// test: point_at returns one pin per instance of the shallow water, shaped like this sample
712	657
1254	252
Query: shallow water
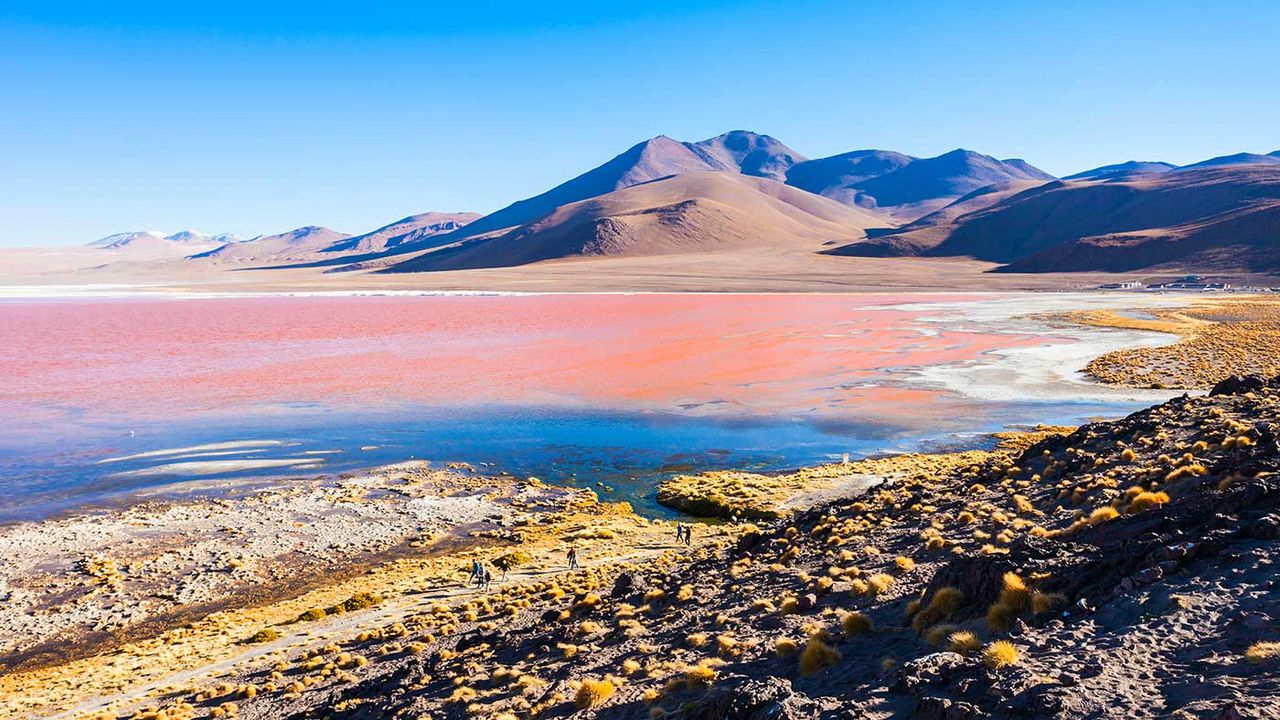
107	398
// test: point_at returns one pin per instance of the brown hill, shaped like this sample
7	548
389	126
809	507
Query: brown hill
736	151
689	213
905	186
301	243
1211	219
403	232
1216	218
931	230
748	153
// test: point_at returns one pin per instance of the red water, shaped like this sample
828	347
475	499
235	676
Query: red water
753	354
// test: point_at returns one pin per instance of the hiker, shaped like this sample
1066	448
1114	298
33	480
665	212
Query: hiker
477	573
573	558
486	577
679	533
688	535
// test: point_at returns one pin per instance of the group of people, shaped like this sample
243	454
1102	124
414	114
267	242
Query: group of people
480	576
684	534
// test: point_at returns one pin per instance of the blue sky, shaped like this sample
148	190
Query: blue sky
131	115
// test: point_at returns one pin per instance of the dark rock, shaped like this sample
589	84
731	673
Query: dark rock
1254	621
1229	713
1092	668
808	601
931	670
1266	527
938	708
1042	700
624	585
741	698
1241	384
1146	576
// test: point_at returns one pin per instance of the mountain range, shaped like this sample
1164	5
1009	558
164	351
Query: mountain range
743	192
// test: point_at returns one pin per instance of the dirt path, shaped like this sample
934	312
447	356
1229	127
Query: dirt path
335	628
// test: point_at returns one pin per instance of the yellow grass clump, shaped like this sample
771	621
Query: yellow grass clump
701	674
1015	593
594	693
945	601
1000	653
1103	514
1042	603
1262	651
817	655
963	642
1146	500
855	623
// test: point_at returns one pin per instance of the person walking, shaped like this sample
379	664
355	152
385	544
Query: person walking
486	578
679	533
476	573
688	535
573	558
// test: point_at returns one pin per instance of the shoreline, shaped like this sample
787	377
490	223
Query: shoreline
403	533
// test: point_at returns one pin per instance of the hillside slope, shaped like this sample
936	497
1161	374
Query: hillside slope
412	229
692	212
1210	218
928	232
1123	570
301	243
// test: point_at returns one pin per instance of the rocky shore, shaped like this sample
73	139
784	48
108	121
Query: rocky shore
1122	569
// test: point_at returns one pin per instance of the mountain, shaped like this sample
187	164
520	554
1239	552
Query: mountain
748	153
151	242
660	157
649	160
925	185
403	231
923	234
1237	159
1210	218
838	176
904	186
687	213
301	243
1132	167
196	238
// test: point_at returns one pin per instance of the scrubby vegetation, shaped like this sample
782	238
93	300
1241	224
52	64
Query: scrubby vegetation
1220	338
1067	574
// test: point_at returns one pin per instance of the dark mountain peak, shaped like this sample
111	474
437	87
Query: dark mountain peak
1243	158
837	176
749	153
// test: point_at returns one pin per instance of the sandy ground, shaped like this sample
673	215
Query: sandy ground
84	272
105	607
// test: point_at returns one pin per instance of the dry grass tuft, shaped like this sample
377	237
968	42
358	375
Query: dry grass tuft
944	602
1000	653
963	642
594	693
855	623
817	655
1262	651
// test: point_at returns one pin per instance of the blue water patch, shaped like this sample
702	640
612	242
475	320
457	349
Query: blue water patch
621	455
